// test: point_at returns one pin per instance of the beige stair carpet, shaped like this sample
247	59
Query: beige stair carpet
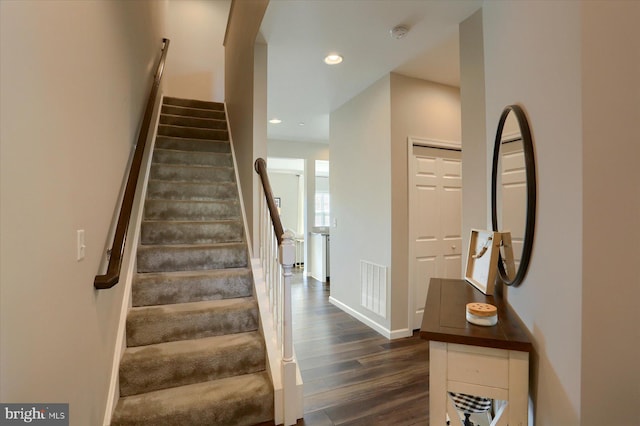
194	354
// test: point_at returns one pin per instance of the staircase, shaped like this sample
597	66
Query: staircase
194	354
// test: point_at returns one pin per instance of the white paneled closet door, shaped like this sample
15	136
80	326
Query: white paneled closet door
435	217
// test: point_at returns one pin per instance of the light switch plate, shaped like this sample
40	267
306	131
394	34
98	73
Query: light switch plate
80	244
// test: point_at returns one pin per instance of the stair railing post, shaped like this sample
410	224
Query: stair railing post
287	257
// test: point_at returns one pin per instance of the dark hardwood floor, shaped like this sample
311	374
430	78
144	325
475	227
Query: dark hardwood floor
352	375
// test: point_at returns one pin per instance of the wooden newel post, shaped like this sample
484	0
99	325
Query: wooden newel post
287	257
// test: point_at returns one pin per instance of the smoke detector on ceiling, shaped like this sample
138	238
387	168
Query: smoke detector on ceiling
399	31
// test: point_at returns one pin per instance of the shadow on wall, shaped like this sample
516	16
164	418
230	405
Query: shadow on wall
539	388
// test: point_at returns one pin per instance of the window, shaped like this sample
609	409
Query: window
322	209
322	205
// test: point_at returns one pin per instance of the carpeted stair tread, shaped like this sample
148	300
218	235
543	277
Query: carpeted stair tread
185	321
193	112
194	353
193	132
193	103
184	287
189	173
194	191
174	232
203	123
190	144
193	158
160	209
235	401
164	365
189	257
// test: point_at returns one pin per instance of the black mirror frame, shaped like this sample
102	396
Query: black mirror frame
530	170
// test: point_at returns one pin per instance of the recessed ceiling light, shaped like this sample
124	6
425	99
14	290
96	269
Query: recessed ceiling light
333	59
301	123
275	121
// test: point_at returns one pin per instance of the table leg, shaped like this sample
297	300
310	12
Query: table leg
518	388
437	383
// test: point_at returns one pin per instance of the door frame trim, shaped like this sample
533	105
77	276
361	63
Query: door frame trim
429	143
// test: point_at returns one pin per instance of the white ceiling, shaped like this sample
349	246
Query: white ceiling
300	33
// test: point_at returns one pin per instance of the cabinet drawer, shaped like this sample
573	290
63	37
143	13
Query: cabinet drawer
477	365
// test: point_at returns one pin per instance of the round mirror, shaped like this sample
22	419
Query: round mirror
513	193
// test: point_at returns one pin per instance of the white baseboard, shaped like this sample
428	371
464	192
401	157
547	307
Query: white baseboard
389	334
401	333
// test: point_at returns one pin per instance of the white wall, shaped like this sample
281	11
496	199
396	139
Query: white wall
295	149
476	168
571	65
541	71
75	77
360	193
243	59
610	385
195	69
259	142
285	186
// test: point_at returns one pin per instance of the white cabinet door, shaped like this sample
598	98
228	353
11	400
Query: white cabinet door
435	217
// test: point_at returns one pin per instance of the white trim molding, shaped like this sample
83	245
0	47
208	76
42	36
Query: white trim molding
389	334
434	143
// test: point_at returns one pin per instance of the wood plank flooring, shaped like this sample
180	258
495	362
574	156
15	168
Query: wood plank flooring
352	375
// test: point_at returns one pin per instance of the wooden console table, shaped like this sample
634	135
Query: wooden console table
491	362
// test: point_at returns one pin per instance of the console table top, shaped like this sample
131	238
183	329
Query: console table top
445	320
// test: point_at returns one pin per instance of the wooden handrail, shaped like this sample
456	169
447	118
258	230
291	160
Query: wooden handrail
112	275
261	168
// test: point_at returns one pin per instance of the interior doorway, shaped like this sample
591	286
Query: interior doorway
319	244
287	178
435	220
